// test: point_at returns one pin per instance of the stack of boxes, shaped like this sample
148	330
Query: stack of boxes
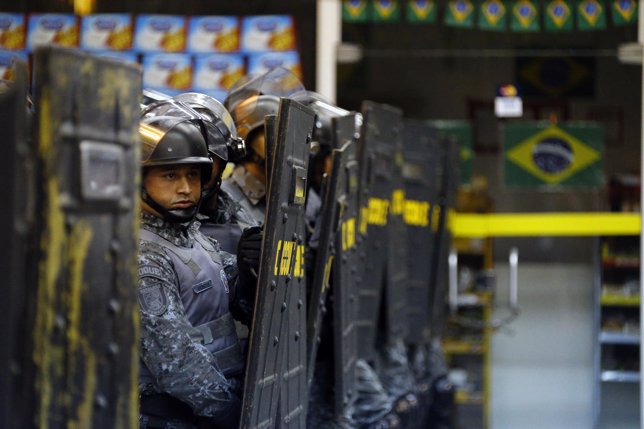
177	53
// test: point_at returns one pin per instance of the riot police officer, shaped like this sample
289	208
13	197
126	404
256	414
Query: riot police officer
188	288
249	102
221	217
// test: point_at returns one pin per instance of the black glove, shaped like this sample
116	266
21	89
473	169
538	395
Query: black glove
249	249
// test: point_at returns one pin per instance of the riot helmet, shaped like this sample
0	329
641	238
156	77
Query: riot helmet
255	96
223	131
322	142
171	140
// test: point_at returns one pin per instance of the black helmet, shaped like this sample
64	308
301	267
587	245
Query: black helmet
172	140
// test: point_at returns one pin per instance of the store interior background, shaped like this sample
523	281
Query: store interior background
542	373
542	364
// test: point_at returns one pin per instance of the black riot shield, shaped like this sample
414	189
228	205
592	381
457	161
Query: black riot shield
441	410
344	269
83	315
396	281
270	138
381	131
16	220
320	282
275	393
421	155
446	202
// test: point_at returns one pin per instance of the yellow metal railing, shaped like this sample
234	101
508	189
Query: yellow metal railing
544	224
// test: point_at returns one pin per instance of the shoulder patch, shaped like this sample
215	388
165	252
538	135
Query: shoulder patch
150	271
152	299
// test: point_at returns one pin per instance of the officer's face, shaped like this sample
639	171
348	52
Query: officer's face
258	145
173	187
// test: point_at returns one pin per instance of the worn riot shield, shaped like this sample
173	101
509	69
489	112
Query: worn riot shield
380	136
16	220
270	138
441	410
396	281
345	298
328	224
442	244
275	393
421	155
82	315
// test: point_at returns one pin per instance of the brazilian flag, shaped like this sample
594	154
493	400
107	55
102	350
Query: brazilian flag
356	10
421	11
459	13
385	11
624	11
591	15
542	154
525	16
492	15
558	15
462	132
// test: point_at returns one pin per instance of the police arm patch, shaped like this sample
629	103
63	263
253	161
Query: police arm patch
153	299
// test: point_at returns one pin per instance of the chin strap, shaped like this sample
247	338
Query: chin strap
172	216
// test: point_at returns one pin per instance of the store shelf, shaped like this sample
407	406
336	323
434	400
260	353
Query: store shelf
620	300
617	320
464	397
463	347
466	340
610	337
474	299
621	262
620	376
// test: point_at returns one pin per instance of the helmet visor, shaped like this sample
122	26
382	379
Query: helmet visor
279	82
324	112
211	109
201	112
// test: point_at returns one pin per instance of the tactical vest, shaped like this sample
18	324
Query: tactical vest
204	293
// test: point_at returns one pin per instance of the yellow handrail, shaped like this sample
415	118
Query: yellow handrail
544	224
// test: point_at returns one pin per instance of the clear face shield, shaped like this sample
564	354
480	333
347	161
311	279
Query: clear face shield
254	97
325	111
216	138
223	126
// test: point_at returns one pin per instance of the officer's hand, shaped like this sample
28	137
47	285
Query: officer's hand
236	385
249	249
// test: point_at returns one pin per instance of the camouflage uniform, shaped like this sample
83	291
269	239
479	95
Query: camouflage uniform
225	221
175	361
244	189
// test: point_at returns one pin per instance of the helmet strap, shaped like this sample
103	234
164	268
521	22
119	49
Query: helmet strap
171	216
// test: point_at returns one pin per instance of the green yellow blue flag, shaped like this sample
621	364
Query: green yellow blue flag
385	11
525	15
459	13
624	11
558	15
542	154
356	10
493	15
421	11
591	15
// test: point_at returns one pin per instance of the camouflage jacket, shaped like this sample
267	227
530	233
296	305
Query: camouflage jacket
247	193
181	366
